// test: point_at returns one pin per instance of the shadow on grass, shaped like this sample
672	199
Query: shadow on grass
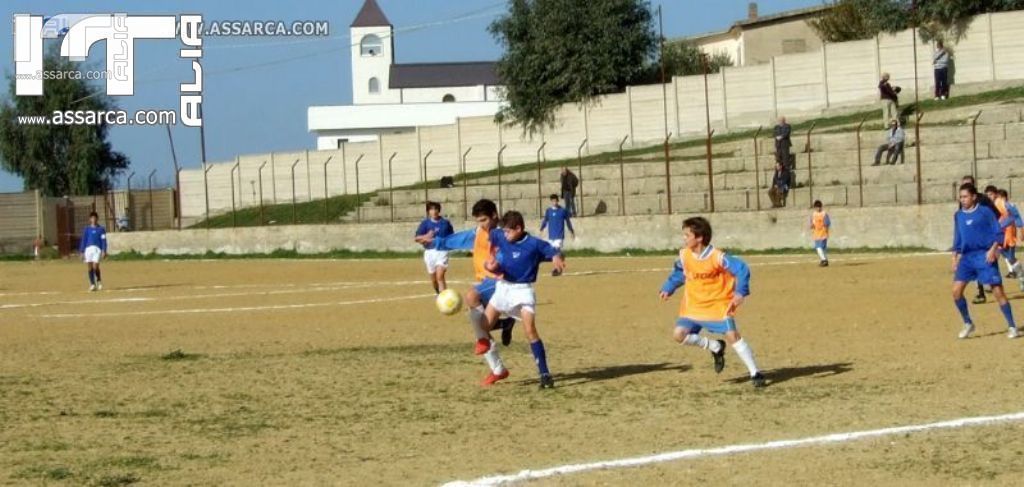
598	374
780	375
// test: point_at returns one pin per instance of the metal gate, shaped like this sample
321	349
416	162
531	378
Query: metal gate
67	240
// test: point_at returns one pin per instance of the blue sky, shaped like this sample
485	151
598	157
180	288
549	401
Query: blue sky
257	89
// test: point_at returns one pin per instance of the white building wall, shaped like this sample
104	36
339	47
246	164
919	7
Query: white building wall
435	95
732	46
377	66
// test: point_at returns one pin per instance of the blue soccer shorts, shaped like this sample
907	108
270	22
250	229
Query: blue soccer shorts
821	244
695	326
974	267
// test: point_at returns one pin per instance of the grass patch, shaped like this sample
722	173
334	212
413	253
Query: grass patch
304	212
116	480
179	355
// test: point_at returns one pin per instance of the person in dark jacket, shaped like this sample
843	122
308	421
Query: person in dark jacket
890	100
569	184
780	186
782	141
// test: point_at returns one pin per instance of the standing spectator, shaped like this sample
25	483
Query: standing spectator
569	184
896	137
780	186
782	141
890	99
940	61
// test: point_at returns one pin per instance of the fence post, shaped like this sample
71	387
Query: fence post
295	214
860	166
328	161
810	173
177	196
974	145
391	186
426	181
711	171
540	196
260	175
359	214
128	203
465	182
581	210
917	145
501	202
668	174
757	169
151	174
622	178
206	192
234	213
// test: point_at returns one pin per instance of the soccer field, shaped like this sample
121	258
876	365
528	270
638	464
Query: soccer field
290	372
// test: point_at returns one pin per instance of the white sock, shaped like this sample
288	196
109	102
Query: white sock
494	360
477	320
1019	269
821	254
695	340
746	355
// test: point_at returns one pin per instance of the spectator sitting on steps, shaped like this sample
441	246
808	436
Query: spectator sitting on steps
780	186
896	138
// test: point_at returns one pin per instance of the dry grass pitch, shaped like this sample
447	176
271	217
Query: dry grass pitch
342	372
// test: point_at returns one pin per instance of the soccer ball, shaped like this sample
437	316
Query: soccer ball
449	302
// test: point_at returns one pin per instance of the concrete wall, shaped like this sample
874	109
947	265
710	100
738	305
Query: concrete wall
19	221
796	85
919	226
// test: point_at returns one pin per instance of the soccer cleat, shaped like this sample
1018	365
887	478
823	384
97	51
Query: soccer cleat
556	273
99	286
493	378
92	288
979	299
1012	333
719	357
758	381
823	263
967	331
546	382
482	346
1011	275
506	330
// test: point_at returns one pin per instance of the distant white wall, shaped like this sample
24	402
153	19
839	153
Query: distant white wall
435	95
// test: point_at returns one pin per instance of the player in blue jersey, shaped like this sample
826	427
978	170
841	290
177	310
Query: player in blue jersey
436	260
555	220
521	255
977	240
93	248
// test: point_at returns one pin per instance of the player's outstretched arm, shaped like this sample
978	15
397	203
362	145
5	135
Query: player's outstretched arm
457	241
676	279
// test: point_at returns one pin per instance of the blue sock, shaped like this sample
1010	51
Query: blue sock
92	277
1008	314
961	306
540	357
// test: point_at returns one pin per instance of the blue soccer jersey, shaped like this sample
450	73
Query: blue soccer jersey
441	227
975	229
520	260
93	236
555	220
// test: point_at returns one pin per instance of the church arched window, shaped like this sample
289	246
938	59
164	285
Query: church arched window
374	85
448	98
370	45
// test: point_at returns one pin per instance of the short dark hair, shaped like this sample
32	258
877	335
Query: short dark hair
991	189
433	204
968	178
1003	193
485	207
817	204
553	197
513	219
700	227
93	214
969	188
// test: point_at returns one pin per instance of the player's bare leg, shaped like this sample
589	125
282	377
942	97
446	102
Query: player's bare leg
537	348
440	284
433	281
685	336
961	306
742	349
1004	306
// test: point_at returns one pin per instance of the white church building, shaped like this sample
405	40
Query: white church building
393	98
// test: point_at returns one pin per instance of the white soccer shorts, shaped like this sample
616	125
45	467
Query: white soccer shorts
92	255
556	243
513	298
435	259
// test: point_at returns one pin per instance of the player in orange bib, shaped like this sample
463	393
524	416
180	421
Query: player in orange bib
1010	222
820	225
715	285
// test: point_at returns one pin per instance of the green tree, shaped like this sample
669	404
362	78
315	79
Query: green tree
936	19
59	160
683	59
569	51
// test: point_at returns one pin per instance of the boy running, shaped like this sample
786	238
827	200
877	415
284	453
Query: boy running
93	248
977	240
555	220
820	224
520	257
436	260
715	286
1009	221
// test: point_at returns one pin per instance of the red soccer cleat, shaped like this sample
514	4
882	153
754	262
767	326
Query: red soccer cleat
491	378
482	346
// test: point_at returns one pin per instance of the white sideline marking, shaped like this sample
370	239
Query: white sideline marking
732	449
236	309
